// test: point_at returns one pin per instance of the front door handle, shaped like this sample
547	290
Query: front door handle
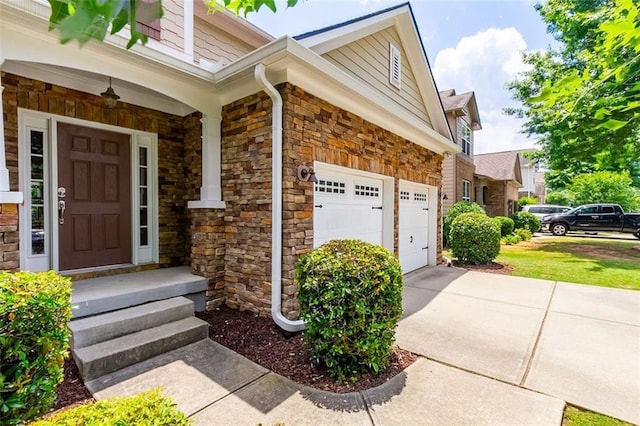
62	206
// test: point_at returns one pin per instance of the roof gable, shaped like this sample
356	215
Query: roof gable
499	166
456	105
400	20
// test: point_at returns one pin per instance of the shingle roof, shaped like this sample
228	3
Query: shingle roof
452	101
349	22
499	165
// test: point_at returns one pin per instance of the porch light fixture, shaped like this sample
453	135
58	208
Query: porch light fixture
110	97
444	197
307	174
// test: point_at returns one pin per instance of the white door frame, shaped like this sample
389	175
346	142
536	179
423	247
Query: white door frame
47	123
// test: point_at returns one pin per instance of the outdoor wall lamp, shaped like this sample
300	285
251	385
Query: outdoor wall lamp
110	97
307	174
444	197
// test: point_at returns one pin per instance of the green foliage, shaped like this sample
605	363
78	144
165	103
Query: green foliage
149	408
34	312
581	98
561	198
350	295
574	416
523	201
84	20
456	210
526	220
606	187
506	225
523	233
474	238
511	239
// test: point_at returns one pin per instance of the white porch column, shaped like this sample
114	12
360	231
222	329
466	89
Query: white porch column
211	189
6	197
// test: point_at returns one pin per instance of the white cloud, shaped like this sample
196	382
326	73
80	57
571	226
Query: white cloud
484	63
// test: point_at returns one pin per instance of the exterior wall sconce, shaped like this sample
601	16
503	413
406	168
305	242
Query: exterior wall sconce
444	197
307	174
110	97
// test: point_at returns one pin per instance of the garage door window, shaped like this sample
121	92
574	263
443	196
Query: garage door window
367	191
330	186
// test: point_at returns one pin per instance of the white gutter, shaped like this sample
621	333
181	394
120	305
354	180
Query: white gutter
276	204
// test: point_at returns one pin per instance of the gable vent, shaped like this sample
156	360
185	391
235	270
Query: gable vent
395	66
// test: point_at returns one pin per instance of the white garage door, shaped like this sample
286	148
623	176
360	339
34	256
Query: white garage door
347	206
413	226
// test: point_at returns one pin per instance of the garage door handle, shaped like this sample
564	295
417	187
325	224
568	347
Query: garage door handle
318	206
376	208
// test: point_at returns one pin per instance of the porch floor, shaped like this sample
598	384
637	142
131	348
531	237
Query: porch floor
104	294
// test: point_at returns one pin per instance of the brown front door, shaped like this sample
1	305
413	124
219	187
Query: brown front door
94	170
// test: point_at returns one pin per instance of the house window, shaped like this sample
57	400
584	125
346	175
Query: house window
37	185
485	194
395	66
466	190
465	138
146	8
143	170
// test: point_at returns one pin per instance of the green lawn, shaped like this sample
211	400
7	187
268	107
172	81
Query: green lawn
601	262
576	417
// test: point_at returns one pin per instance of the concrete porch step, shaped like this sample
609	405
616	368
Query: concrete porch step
100	328
108	356
105	294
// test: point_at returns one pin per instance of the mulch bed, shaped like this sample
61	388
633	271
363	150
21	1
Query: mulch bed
493	267
263	342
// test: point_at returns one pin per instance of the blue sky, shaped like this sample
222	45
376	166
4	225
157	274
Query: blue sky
471	45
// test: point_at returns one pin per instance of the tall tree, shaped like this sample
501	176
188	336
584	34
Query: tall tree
84	20
582	98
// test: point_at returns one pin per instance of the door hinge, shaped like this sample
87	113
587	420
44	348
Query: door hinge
376	208
318	206
425	208
425	248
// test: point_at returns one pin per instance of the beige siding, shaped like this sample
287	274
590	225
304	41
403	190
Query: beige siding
368	60
215	45
448	182
172	24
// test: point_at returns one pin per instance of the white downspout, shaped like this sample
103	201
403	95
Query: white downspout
276	204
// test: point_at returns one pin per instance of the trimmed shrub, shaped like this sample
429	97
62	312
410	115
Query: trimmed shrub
506	225
350	295
526	220
523	233
456	210
149	408
475	238
523	201
511	239
34	338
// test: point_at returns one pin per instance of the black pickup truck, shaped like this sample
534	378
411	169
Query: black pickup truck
593	217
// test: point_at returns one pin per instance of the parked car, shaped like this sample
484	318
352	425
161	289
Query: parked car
594	217
542	210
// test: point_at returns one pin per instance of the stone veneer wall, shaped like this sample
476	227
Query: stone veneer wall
9	237
173	179
313	130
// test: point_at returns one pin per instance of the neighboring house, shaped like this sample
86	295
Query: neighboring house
208	157
458	169
498	179
533	183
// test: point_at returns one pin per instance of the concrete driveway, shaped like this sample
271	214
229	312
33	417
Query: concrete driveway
575	342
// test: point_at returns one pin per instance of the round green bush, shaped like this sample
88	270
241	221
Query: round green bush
456	210
506	225
35	309
511	239
526	220
523	233
474	238
350	295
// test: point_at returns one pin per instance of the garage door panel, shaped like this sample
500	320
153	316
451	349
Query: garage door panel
347	206
413	230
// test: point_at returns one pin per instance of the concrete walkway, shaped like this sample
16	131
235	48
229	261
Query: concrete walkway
499	351
575	342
